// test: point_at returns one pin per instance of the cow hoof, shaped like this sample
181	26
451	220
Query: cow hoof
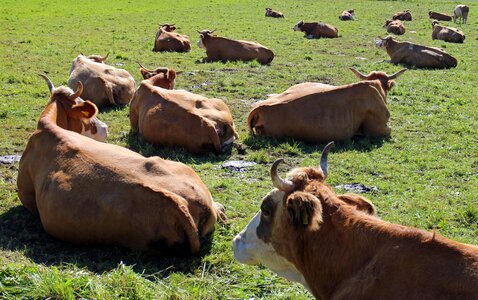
221	212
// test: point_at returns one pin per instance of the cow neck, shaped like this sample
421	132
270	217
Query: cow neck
392	47
345	244
54	113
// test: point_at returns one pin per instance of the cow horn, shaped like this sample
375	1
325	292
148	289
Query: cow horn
78	92
359	75
150	71
213	30
396	74
323	159
104	57
279	183
51	87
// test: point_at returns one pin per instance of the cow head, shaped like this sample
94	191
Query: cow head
387	22
351	11
384	42
97	58
167	27
435	23
287	213
76	114
387	81
161	77
204	35
298	26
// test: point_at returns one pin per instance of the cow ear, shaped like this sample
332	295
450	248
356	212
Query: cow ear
359	202
171	75
83	110
304	209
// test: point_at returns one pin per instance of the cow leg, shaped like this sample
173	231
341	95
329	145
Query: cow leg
310	36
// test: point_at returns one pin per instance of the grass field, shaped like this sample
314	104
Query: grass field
426	173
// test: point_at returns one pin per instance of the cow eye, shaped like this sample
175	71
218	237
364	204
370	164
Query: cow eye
265	212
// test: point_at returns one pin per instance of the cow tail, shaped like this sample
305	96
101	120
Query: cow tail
109	91
252	121
213	135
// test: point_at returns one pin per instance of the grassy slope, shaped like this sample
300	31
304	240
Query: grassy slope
426	173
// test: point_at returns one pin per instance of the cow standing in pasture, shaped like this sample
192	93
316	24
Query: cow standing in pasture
224	49
395	27
179	118
405	15
416	55
439	16
339	249
168	40
461	12
273	14
102	84
316	112
91	193
447	34
347	15
316	30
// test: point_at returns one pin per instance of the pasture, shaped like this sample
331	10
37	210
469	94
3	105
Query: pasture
425	174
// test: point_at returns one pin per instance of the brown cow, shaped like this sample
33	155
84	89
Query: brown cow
439	16
89	127
103	84
405	15
338	250
179	118
395	27
416	55
447	34
224	49
316	30
273	14
316	112
93	193
461	11
167	40
347	15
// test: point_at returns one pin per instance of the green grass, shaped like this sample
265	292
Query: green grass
426	172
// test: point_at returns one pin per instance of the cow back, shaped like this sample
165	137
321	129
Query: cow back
181	118
327	113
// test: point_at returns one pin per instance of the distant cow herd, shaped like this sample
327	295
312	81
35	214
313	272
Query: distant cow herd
334	245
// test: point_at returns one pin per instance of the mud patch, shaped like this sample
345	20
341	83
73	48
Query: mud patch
9	159
237	165
357	188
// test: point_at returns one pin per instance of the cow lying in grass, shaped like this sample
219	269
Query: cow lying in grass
338	249
168	40
102	84
92	193
224	49
416	55
447	34
316	112
179	118
316	30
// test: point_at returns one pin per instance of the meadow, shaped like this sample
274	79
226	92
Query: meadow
425	174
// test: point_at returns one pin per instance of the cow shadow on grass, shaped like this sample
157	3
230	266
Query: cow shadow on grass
22	231
138	144
291	146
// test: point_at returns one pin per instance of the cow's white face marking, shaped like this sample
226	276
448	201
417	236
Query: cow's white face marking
379	43
296	27
101	133
250	249
200	44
